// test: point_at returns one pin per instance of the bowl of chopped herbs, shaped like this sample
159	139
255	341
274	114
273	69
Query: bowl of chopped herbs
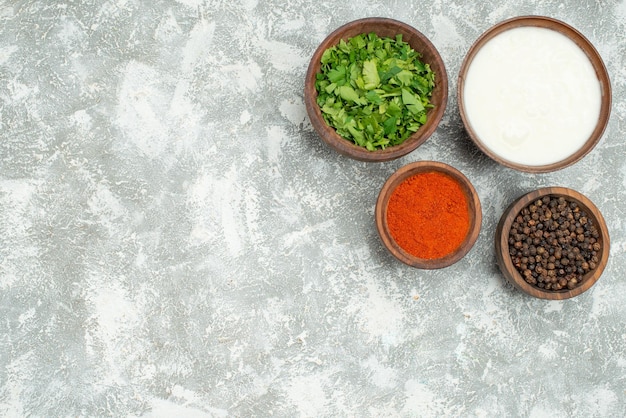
375	89
552	243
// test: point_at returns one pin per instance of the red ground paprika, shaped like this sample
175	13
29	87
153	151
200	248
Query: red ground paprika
428	215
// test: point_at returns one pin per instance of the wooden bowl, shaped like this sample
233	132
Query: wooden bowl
592	55
502	243
383	27
473	207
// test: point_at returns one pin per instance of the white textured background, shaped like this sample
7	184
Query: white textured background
175	240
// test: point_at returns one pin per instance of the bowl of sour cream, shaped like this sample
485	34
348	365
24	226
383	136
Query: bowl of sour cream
534	94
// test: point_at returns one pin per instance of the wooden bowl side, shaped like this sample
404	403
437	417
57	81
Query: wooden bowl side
383	27
502	243
474	209
596	61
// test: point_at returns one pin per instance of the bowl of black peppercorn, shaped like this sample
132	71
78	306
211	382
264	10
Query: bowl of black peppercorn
552	243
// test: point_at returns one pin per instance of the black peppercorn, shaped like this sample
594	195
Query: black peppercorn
553	243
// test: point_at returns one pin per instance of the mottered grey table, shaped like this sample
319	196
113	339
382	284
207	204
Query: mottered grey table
177	241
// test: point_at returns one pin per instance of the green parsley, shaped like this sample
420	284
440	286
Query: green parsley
374	91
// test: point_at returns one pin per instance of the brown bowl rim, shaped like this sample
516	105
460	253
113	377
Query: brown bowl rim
502	245
592	54
418	42
474	207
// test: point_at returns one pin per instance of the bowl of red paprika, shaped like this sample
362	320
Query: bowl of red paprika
428	215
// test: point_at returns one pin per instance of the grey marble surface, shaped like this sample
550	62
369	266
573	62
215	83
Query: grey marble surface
177	241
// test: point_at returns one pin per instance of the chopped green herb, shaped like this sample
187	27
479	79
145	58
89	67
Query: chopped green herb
374	91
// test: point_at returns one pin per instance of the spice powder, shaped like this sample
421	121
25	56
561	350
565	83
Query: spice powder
428	215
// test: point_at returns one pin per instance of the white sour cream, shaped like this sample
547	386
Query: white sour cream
532	96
